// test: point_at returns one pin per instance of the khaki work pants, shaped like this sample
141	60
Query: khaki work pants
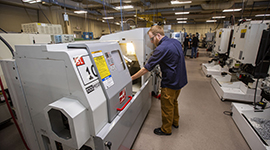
169	109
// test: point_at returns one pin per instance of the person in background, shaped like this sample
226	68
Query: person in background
169	55
186	42
194	46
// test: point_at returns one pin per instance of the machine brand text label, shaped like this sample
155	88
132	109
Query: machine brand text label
79	61
92	87
122	95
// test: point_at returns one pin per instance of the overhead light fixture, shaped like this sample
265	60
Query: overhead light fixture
181	2
126	1
124	7
211	20
135	15
181	13
181	21
31	1
262	15
117	23
80	12
181	18
231	10
107	17
218	17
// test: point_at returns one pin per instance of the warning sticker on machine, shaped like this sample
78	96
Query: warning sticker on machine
243	33
103	69
108	82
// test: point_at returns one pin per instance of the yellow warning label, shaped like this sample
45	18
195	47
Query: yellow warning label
101	64
220	33
243	30
39	24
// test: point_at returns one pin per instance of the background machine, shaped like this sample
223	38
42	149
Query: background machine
79	95
217	65
254	120
250	53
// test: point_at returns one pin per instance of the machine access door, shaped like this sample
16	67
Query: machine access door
114	75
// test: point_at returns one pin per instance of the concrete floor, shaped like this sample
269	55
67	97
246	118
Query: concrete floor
203	126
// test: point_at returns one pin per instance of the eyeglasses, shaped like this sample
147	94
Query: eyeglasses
152	38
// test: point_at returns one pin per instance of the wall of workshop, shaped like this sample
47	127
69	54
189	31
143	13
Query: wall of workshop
78	24
200	28
11	18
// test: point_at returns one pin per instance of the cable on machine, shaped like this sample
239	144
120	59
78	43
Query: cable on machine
3	30
6	43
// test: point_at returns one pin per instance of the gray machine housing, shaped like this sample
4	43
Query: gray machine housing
62	104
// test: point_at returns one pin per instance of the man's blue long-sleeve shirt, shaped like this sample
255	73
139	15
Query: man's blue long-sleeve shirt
169	55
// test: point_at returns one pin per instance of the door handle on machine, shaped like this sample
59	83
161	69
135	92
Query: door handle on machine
120	109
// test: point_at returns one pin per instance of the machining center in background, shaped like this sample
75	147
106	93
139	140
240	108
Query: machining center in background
219	63
249	51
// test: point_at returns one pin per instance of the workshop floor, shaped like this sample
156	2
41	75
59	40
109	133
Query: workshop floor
203	126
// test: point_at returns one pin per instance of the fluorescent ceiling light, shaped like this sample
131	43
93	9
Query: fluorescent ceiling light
126	1
218	17
181	21
180	2
80	12
27	1
107	17
181	13
31	1
231	10
211	20
181	18
262	15
117	23
124	7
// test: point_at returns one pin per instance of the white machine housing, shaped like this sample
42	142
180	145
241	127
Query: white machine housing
243	116
244	48
42	28
246	42
222	45
68	94
13	39
222	40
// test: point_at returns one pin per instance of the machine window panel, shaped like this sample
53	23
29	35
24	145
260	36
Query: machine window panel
118	61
